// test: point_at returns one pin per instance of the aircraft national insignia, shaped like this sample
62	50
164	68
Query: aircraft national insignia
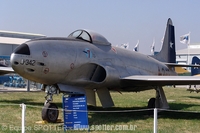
45	54
88	53
171	44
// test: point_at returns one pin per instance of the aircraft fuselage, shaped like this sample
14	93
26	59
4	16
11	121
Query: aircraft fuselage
72	62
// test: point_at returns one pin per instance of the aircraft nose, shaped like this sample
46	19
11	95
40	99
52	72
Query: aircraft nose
22	49
16	57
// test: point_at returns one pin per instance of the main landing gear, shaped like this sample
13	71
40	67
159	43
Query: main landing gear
50	110
159	102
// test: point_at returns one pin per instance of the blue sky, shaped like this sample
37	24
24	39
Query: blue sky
117	20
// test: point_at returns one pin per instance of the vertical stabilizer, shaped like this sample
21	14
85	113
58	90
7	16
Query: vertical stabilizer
195	70
168	51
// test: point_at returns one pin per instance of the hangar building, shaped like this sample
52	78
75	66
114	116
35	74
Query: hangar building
184	56
8	42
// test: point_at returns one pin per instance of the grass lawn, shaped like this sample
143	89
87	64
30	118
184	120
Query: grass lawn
168	122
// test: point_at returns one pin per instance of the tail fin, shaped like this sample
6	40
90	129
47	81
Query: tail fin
195	70
168	51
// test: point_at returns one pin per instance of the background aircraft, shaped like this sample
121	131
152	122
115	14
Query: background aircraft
86	63
195	71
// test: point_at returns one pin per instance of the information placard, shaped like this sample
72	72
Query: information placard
75	112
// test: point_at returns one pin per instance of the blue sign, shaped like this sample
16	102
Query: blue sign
5	57
75	112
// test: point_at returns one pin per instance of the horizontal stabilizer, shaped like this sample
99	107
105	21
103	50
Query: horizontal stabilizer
182	65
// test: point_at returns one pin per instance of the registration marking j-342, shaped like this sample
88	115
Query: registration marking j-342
27	62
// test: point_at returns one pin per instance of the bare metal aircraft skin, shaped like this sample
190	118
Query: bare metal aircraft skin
85	62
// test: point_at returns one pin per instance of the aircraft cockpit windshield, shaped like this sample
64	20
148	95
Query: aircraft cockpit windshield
89	36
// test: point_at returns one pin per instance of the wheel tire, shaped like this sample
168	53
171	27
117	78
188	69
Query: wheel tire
50	112
151	104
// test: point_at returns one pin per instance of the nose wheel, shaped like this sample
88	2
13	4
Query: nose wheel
50	112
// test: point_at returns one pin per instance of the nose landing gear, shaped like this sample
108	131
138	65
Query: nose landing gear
50	110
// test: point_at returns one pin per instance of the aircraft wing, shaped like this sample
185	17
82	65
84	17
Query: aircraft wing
6	70
131	81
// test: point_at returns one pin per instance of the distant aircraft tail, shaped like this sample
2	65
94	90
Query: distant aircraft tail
168	51
195	70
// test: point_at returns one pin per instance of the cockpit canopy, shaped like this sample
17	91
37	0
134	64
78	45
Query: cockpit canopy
89	36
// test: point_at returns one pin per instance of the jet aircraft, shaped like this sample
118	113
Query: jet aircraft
85	62
195	71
